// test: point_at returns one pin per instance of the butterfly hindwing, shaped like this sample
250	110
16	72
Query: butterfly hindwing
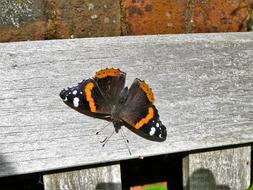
140	112
110	82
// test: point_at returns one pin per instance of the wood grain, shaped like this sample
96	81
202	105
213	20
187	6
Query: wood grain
220	169
203	86
100	178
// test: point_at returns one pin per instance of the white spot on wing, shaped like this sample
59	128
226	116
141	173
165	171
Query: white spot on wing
65	99
157	125
76	102
74	92
152	131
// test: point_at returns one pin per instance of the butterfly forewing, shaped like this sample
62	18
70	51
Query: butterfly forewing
85	98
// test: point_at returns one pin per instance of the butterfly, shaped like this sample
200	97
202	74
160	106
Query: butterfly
105	96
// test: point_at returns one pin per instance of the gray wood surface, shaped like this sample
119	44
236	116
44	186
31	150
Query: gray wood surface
202	85
227	169
100	178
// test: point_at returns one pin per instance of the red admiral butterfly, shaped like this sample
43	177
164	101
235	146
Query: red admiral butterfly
105	97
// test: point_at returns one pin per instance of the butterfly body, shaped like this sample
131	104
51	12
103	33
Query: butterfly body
106	97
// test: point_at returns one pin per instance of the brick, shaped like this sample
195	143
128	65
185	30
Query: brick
34	30
83	18
250	21
22	20
155	17
50	19
220	16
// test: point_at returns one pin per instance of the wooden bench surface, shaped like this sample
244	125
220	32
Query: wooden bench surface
203	85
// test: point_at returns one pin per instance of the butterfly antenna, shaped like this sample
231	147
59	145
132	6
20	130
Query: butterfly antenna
103	128
125	140
106	139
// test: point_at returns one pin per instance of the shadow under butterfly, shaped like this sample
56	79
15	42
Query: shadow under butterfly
106	97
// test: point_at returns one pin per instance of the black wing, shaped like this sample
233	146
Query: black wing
140	113
95	97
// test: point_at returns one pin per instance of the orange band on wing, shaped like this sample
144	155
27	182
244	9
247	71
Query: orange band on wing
147	91
107	73
87	91
146	119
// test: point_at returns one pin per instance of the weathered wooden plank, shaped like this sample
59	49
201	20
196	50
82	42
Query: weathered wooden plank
220	169
106	178
202	84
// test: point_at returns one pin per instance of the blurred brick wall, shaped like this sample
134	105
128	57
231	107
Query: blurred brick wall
54	19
